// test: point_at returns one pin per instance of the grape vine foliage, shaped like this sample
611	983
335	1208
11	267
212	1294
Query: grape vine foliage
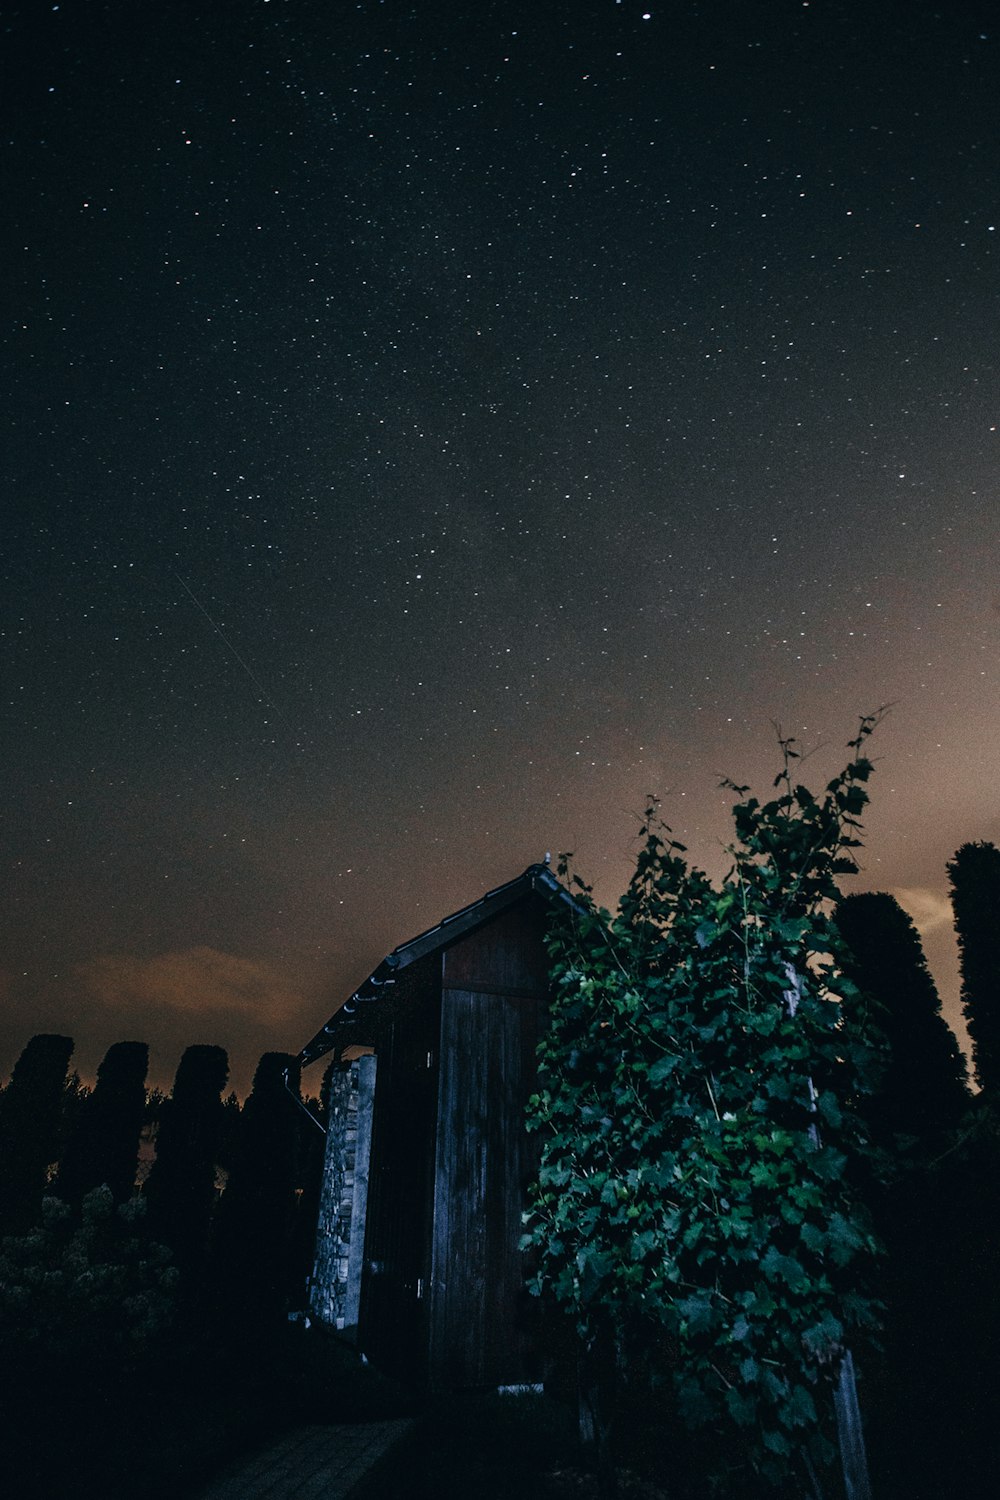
697	1109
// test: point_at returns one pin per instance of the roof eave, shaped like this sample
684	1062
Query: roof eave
536	878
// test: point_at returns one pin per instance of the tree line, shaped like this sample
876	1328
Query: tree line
218	1236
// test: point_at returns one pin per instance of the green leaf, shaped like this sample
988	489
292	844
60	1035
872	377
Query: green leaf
663	1068
594	1267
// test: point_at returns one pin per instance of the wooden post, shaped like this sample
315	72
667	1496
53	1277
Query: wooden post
595	1375
857	1485
850	1433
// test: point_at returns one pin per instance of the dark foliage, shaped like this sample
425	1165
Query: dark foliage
975	899
180	1189
928	1394
75	1094
83	1295
923	1090
697	1096
104	1147
30	1117
250	1272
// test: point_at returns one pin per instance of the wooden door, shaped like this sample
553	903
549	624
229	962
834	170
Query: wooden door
481	1316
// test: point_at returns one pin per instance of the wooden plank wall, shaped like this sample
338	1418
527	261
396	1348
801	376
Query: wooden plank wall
506	956
481	1315
482	1321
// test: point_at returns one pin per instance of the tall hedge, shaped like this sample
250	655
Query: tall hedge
975	897
923	1090
181	1187
103	1150
250	1260
30	1111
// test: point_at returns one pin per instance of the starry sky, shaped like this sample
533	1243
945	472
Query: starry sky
431	427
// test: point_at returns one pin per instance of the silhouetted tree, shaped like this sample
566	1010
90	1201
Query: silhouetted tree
30	1113
103	1149
975	899
923	1090
250	1270
75	1094
936	1217
180	1188
975	1176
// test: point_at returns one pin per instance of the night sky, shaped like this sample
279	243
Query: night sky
431	427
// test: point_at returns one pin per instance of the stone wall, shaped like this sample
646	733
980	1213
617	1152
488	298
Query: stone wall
335	1286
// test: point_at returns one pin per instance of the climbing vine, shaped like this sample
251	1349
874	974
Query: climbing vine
696	1104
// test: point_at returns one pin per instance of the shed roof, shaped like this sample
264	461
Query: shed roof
536	879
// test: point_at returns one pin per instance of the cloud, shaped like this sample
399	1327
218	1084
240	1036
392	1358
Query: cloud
929	909
195	982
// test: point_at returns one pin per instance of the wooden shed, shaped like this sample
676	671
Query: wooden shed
427	1158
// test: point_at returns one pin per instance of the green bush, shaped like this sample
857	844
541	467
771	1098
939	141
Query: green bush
92	1291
